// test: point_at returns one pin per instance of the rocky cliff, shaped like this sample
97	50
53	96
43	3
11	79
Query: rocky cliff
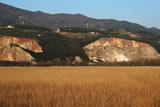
9	52
118	49
105	49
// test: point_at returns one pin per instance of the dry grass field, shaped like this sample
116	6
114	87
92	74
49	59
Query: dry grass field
80	87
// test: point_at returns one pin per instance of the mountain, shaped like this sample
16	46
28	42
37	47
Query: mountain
13	15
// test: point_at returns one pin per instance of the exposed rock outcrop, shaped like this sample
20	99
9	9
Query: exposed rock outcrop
77	60
118	49
10	52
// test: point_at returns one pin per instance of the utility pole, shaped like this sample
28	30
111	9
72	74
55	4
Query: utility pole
87	25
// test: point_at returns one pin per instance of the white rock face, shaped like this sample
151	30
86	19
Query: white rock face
121	58
119	50
77	60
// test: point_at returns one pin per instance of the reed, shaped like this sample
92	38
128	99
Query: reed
80	87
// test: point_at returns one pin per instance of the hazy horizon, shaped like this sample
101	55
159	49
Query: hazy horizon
140	12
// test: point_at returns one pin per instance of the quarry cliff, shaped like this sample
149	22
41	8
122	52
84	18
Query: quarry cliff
10	52
118	50
106	49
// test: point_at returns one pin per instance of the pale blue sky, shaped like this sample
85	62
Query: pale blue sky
144	12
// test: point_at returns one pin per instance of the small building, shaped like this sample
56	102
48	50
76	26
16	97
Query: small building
92	33
133	35
58	30
10	27
39	35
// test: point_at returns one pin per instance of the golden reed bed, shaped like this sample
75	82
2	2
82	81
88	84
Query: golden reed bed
80	87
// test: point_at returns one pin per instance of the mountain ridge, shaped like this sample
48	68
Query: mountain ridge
14	15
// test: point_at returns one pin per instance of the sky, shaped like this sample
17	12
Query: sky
144	12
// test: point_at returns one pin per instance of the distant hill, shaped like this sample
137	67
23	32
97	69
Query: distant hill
13	15
30	43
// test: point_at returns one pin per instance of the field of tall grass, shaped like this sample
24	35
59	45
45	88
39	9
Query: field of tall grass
80	87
